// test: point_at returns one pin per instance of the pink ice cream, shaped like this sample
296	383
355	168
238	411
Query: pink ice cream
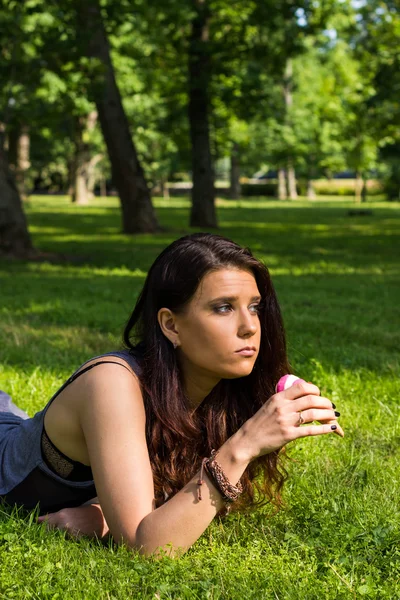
286	382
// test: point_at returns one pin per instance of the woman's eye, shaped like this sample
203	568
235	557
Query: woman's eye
255	308
225	308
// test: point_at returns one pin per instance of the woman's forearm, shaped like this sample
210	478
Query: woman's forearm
178	523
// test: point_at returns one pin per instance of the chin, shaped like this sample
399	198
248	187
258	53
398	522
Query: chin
244	371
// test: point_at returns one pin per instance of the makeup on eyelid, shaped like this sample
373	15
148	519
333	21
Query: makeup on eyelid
218	309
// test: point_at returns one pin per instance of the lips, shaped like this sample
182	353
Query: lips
247	348
246	351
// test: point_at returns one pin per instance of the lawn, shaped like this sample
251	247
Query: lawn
338	281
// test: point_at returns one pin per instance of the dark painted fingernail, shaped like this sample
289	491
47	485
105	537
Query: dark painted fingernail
337	414
333	405
333	427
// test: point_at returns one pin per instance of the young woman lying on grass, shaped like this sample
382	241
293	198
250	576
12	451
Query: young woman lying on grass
205	349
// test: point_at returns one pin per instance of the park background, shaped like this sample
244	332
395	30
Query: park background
124	125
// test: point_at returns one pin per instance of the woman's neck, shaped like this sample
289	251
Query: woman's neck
197	383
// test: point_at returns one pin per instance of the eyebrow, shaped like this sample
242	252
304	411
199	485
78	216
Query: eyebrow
232	299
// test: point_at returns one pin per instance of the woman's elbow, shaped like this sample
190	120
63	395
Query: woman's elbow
148	544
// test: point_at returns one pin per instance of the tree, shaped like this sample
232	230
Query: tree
203	196
83	64
326	80
376	42
83	164
288	97
19	155
137	211
252	75
14	235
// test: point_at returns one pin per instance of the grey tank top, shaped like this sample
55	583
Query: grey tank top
20	438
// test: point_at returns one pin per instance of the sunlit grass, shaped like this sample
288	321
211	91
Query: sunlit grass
337	278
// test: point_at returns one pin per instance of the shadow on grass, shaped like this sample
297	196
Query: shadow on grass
298	236
336	277
53	319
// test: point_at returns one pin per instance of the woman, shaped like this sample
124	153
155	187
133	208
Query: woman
205	348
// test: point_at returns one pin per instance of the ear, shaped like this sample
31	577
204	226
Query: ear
167	322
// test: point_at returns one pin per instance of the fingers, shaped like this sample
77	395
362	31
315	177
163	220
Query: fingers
310	401
339	431
316	414
311	430
42	518
316	408
59	520
49	519
326	415
300	389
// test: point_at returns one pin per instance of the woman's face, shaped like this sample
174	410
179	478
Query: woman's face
219	332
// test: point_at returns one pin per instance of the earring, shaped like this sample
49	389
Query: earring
175	345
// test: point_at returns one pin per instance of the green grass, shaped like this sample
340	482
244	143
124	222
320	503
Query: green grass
337	279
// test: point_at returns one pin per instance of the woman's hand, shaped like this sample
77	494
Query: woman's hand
281	420
83	520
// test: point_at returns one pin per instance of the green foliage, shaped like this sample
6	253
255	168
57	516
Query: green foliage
259	189
342	187
377	43
338	536
46	87
345	82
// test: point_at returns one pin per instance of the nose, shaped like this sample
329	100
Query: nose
248	324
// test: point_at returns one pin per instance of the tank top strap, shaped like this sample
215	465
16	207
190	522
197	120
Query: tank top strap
123	354
100	362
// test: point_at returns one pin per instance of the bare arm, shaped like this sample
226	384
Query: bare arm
178	523
182	520
113	423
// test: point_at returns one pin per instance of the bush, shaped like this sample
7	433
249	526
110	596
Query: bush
266	188
340	187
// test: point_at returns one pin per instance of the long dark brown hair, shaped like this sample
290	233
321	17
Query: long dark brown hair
177	437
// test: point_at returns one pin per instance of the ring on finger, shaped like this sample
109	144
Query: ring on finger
300	420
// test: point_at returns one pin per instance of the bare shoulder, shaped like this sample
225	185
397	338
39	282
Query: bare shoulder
113	422
107	364
110	387
94	399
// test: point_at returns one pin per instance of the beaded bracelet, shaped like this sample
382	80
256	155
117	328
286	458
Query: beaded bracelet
228	491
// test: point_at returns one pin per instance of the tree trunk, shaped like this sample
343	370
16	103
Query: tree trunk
311	175
80	193
203	212
164	188
83	165
357	187
103	187
80	165
138	214
291	181
70	175
92	175
282	194
23	162
18	156
364	190
11	147
311	195
93	160
14	236
288	97
234	191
